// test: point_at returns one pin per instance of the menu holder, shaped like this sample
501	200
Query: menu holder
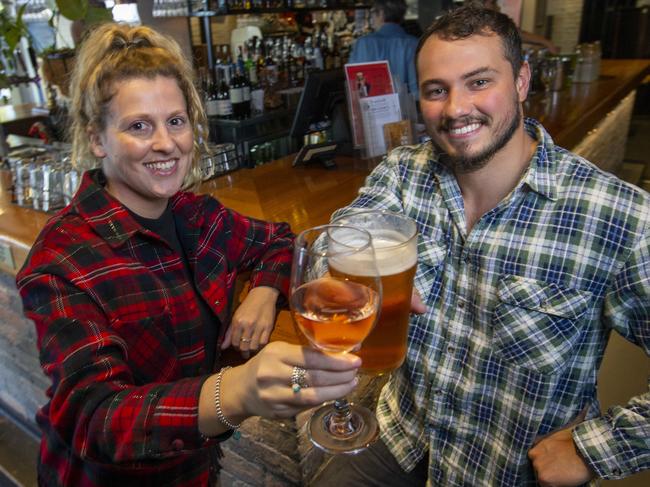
365	80
322	153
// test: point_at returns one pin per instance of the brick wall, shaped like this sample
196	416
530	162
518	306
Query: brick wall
22	384
604	145
567	15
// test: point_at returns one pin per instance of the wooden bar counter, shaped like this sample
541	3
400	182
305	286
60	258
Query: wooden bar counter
306	196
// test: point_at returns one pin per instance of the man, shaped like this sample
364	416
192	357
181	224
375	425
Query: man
390	42
529	256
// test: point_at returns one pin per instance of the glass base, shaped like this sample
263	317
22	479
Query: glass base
349	437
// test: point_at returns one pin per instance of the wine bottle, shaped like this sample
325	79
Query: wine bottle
211	104
224	105
246	92
236	94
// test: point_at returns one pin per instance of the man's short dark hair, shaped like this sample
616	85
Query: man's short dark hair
464	22
394	10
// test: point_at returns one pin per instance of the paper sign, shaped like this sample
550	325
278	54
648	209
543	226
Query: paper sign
363	80
377	111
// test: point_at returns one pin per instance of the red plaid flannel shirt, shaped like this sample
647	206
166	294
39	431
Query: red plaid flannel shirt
124	348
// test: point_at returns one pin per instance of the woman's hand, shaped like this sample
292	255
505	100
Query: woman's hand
253	321
262	386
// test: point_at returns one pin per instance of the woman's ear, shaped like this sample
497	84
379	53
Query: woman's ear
96	144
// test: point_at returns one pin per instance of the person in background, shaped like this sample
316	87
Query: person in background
131	288
529	257
389	42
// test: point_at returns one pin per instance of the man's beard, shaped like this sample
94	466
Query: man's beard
466	163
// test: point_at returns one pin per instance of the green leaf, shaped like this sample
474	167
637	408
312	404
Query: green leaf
98	14
4	81
73	9
12	37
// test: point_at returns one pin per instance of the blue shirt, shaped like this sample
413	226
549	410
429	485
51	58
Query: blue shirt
390	43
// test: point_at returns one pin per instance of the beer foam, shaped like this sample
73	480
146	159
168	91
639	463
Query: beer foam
392	255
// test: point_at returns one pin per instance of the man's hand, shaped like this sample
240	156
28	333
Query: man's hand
417	306
253	321
557	462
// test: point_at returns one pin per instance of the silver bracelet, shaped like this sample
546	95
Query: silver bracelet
217	402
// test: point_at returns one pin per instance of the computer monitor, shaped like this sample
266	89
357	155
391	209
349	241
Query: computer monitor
323	97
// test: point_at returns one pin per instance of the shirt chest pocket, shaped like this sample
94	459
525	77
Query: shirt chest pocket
536	324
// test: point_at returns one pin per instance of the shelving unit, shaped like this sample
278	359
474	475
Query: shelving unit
270	128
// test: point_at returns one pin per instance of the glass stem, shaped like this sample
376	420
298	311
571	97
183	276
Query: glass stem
341	423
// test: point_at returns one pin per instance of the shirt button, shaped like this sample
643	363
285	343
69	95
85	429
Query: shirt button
178	444
461	304
217	302
437	392
616	471
451	349
468	260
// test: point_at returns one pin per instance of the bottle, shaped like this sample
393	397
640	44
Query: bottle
224	105
336	55
204	85
236	95
319	63
240	59
246	91
212	100
270	67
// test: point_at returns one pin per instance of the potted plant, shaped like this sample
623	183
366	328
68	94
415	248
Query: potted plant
58	61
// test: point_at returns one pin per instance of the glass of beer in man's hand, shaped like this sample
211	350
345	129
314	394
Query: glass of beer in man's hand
394	238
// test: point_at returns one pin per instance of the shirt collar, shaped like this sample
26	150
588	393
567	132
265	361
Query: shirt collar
110	219
390	29
541	176
105	215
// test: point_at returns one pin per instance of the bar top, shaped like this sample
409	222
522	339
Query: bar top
306	196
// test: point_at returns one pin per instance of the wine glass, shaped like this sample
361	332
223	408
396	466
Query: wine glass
335	300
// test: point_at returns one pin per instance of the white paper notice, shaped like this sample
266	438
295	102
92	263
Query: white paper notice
376	111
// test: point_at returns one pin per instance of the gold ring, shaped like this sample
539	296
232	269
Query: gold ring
245	340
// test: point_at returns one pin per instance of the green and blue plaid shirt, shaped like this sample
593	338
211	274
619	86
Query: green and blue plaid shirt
519	314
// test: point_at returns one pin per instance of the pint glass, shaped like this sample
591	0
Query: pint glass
395	240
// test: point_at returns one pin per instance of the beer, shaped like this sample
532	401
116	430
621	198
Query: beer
335	315
395	243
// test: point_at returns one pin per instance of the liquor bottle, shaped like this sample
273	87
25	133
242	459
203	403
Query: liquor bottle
240	59
257	92
291	67
224	105
249	62
336	54
319	63
270	66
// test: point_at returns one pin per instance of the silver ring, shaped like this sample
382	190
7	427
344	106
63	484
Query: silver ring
298	381
245	340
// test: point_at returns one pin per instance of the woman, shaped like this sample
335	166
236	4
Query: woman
130	288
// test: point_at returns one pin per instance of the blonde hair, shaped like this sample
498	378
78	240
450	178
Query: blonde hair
115	52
